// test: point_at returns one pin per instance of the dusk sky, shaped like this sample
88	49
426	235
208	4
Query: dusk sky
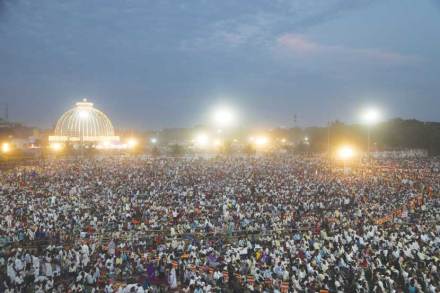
156	64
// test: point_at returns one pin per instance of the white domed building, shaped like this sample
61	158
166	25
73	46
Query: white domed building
84	124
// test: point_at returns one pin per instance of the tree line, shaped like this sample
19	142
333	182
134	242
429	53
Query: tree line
395	134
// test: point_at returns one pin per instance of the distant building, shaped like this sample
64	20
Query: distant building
84	124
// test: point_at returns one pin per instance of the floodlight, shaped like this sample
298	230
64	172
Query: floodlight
132	142
202	139
346	153
370	116
261	140
56	147
6	147
224	117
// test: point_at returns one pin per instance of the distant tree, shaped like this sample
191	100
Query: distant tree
392	134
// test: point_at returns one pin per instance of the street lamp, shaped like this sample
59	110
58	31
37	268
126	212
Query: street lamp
56	147
224	117
202	140
370	117
345	153
132	143
6	148
261	140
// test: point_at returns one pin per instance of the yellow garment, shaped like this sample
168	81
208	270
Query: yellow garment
258	255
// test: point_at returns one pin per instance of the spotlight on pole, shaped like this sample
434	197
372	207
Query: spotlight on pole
56	146
132	143
224	117
202	140
261	141
371	116
6	148
346	153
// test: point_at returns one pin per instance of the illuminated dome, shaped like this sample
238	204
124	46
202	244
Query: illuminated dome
84	123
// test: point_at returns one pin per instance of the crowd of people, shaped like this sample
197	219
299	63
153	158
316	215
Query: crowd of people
242	224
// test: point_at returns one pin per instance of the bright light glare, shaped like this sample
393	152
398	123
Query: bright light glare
217	142
371	116
83	114
261	140
346	153
56	146
104	145
224	117
283	140
132	142
6	147
110	146
202	139
154	140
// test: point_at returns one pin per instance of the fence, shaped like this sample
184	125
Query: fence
412	204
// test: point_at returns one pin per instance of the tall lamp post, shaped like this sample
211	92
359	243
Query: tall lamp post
328	140
370	117
346	153
223	119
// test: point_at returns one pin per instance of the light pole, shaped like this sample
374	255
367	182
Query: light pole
328	139
345	153
368	139
6	147
224	118
370	117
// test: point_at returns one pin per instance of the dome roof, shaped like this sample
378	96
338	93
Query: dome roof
84	122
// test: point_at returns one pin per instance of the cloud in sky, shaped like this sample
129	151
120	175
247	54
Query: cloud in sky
164	25
155	54
300	45
254	23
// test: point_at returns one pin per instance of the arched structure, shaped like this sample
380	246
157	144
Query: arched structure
84	124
